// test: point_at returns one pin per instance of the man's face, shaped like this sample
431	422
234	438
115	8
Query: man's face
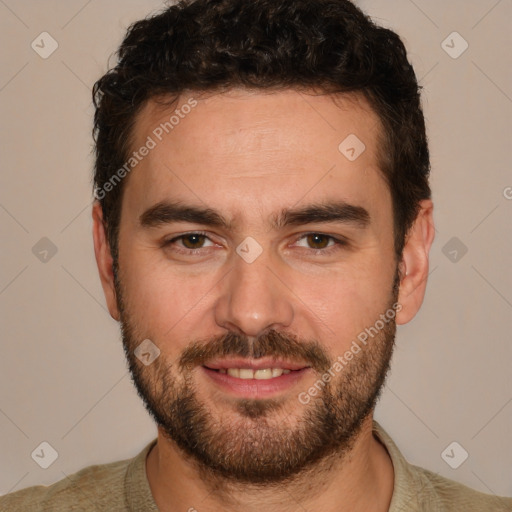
266	290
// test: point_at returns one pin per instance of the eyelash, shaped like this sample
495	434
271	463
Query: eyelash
338	243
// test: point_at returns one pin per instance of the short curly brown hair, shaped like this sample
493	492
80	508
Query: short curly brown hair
209	45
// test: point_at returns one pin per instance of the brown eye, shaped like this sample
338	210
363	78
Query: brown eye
318	241
189	243
193	241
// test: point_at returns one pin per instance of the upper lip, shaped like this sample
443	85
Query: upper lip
254	364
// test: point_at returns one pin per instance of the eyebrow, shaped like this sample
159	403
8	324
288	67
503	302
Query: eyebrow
167	212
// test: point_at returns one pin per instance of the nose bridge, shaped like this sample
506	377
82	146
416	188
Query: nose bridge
252	298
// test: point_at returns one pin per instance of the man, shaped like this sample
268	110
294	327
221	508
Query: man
263	222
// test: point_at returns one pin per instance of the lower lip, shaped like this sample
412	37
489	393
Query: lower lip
255	388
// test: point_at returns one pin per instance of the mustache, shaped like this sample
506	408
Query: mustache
270	344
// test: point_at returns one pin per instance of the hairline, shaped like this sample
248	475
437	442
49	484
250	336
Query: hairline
167	100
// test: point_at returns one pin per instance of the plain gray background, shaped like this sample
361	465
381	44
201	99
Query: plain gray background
63	377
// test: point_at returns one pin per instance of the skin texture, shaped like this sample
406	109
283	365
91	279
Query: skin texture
248	155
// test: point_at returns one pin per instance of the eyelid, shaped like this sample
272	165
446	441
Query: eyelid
339	242
173	239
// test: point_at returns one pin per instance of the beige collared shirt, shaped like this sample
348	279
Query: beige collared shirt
123	486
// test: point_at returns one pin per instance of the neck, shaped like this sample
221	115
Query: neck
359	480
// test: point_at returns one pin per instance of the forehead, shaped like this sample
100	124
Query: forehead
250	151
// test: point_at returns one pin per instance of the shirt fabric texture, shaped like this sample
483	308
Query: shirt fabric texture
122	486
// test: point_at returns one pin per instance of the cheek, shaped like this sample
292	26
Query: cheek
331	305
346	300
159	298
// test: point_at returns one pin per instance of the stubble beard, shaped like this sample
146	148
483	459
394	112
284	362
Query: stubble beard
260	442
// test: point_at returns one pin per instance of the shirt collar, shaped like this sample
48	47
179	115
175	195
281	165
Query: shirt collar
405	488
408	486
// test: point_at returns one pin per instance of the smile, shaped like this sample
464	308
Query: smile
249	373
254	378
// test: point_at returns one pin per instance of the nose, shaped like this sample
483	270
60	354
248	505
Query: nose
253	299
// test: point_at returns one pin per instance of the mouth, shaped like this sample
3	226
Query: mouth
249	373
261	369
254	378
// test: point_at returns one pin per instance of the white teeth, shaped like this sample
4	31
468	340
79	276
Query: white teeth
267	373
247	373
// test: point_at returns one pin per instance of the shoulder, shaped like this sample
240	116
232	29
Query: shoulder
446	495
98	487
417	489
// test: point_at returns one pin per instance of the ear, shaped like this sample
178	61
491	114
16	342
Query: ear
104	260
414	263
